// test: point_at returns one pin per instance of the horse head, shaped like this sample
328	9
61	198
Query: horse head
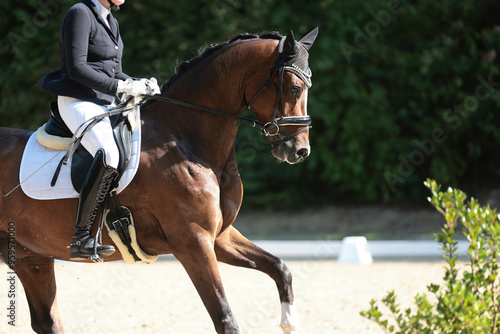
283	111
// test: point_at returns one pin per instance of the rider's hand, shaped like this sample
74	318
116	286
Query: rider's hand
152	85
132	87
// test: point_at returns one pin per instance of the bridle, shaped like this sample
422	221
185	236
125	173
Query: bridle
273	127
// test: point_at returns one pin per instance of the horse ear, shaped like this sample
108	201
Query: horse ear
309	39
289	46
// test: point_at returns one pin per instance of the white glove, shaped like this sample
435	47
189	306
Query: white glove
132	87
152	85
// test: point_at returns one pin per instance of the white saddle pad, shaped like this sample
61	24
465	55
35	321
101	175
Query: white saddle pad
39	164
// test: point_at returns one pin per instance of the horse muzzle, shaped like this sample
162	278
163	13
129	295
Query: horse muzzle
291	151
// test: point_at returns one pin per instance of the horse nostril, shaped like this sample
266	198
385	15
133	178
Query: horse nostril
303	153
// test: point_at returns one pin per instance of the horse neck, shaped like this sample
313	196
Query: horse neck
218	83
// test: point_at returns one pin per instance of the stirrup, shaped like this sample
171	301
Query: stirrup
91	252
96	258
76	256
74	253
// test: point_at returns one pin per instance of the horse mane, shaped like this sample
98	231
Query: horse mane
206	52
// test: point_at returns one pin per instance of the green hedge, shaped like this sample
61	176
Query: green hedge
401	90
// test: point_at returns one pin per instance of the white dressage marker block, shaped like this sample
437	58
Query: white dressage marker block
354	250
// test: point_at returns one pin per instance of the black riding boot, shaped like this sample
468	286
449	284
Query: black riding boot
92	196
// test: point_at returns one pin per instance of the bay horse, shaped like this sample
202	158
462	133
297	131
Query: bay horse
187	191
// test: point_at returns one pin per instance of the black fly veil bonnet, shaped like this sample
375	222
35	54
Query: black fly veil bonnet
293	56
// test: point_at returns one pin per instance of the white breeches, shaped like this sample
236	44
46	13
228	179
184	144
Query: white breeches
75	112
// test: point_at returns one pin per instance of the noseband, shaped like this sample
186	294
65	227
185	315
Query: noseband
272	128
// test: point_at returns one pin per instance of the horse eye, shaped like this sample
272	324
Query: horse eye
296	90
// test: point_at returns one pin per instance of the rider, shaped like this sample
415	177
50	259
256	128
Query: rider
87	83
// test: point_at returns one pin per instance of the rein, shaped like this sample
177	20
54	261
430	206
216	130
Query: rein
246	121
270	129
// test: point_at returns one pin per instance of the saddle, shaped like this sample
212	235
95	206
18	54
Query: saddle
56	135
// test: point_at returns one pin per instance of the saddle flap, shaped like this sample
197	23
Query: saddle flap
82	159
123	137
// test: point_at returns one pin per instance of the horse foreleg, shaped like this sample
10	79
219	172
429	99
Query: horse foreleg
37	276
234	249
198	258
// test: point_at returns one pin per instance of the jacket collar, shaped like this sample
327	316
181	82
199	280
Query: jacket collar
103	11
97	13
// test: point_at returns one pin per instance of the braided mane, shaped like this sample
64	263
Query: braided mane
208	51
